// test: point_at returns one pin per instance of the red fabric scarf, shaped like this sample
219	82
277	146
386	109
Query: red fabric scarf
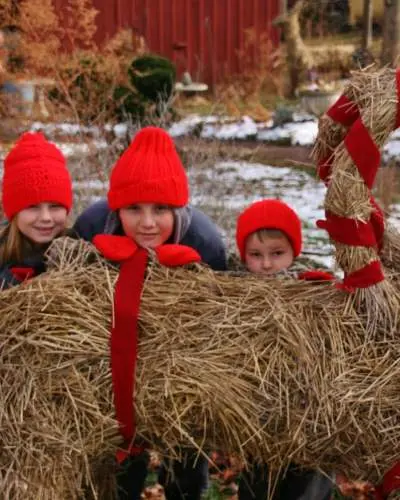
124	334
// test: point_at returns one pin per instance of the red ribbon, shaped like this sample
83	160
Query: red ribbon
22	273
344	111
363	151
369	275
348	231
324	169
316	276
124	334
390	483
124	340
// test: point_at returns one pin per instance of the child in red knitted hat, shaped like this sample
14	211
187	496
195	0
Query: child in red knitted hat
268	236
36	199
269	239
147	208
148	202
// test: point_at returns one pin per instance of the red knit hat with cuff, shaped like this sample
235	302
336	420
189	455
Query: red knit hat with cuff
35	171
269	214
149	171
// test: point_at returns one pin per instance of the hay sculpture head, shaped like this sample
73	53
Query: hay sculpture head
275	368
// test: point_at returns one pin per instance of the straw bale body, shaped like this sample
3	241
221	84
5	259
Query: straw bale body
279	369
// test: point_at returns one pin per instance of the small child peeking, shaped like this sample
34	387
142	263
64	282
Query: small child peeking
268	236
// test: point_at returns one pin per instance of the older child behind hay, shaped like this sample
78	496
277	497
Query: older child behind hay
269	241
148	208
36	199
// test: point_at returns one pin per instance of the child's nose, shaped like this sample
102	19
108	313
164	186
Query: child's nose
44	213
267	263
147	220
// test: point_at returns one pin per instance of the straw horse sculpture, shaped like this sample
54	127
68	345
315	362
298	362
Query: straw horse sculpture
280	370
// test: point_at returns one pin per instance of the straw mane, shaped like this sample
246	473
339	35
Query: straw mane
277	369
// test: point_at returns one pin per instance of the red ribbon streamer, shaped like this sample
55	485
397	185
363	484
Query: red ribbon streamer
124	339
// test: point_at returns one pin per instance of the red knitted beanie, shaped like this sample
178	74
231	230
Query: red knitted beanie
149	171
269	214
35	171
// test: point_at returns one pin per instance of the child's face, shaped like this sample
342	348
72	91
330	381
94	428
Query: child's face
268	255
43	222
148	224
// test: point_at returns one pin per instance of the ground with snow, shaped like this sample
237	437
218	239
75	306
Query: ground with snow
302	131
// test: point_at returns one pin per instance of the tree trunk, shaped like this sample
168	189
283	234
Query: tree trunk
391	33
367	25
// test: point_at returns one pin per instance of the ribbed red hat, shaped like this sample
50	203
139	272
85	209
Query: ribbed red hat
35	171
269	214
149	171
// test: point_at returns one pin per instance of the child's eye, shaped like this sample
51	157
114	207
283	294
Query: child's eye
134	208
161	208
255	254
278	253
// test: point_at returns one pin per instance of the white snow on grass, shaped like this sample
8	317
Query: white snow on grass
188	124
303	130
391	150
244	129
71	149
120	130
71	129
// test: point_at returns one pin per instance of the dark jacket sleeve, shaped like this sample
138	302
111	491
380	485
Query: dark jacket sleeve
7	279
204	236
34	262
92	221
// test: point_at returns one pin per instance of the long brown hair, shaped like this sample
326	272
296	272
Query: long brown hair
13	245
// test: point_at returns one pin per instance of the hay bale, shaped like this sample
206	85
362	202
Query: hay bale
278	369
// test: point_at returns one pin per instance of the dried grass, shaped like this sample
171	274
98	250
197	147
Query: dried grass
222	364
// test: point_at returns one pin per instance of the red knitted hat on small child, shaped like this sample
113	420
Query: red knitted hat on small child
149	171
35	171
268	214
